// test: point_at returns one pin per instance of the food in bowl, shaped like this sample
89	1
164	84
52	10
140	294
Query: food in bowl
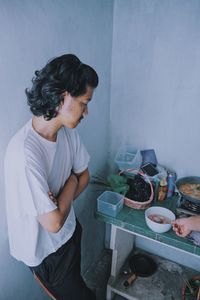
190	189
159	218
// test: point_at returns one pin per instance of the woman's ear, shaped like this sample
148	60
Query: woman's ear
59	107
64	96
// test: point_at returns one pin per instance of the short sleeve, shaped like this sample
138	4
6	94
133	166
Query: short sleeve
26	188
81	156
41	203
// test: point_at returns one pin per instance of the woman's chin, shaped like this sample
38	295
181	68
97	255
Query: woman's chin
72	125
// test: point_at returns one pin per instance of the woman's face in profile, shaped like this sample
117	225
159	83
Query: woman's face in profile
73	109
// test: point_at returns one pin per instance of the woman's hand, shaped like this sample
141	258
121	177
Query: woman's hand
71	178
183	226
51	196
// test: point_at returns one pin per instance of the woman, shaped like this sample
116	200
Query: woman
46	168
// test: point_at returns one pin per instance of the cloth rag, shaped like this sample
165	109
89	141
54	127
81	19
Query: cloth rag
194	237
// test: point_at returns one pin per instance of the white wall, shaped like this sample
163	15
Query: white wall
32	32
155	87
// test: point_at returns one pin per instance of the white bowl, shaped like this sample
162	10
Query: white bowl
157	210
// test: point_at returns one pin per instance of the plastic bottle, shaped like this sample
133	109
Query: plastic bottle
162	190
171	178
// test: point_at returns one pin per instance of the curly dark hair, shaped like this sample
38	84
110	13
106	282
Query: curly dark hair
63	73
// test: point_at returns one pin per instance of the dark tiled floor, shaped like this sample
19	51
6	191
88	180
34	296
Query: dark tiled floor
98	274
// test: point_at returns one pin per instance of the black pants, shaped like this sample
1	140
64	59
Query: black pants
60	271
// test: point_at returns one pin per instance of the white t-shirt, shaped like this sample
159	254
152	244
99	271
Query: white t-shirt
33	167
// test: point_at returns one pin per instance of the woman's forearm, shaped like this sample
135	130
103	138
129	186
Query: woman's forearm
83	180
195	223
54	220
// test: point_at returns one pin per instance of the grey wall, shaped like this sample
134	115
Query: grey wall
31	32
155	86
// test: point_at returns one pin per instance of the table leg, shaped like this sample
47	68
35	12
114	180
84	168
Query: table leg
121	243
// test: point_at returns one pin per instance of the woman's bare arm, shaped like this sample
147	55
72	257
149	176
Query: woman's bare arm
54	220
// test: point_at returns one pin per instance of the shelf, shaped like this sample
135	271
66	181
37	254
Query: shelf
134	221
166	283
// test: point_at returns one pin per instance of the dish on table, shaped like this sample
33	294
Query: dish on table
159	218
190	189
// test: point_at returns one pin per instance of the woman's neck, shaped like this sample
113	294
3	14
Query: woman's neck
47	129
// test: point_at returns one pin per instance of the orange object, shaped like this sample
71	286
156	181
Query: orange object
198	295
130	280
44	287
162	191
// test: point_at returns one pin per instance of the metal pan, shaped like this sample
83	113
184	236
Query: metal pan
189	179
141	265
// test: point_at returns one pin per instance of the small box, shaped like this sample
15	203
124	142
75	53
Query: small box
110	203
149	156
128	158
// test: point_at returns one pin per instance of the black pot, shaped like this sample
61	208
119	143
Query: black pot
141	265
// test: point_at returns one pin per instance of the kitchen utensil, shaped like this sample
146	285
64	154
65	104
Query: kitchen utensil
189	179
130	280
141	265
159	211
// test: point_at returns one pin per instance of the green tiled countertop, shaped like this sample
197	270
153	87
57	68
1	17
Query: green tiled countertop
134	221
